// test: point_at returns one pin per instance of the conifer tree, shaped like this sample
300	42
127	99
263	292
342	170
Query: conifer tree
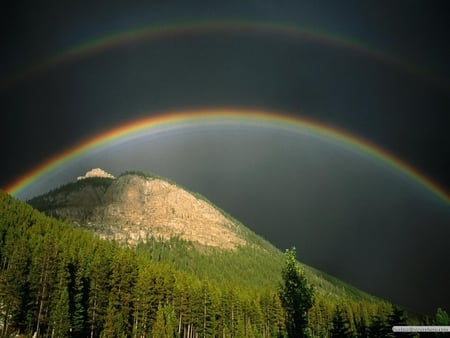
142	303
165	323
442	318
379	327
59	323
341	326
397	317
78	308
13	281
296	296
119	316
43	271
99	273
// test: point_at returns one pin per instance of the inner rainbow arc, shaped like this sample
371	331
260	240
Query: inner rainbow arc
218	115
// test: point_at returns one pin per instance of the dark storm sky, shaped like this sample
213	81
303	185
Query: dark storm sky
398	109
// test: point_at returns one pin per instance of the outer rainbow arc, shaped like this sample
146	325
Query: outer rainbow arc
145	33
218	115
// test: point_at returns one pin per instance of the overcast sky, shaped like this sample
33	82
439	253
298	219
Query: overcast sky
376	70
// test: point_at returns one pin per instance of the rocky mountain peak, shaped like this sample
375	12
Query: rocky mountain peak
132	208
96	172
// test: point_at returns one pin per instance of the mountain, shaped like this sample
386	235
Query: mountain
138	254
147	211
133	208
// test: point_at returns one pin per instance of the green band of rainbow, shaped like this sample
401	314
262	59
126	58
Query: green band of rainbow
161	31
218	115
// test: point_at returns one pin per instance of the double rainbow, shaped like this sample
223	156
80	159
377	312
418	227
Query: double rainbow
162	31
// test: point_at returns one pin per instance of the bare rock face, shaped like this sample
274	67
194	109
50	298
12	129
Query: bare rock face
97	172
134	208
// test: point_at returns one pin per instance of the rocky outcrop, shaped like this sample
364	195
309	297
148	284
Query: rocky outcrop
97	172
134	208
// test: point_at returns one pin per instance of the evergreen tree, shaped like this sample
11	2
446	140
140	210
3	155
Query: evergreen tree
296	296
271	312
78	299
442	318
396	318
142	303
43	272
59	325
13	281
165	323
341	326
99	275
362	322
207	324
379	328
119	316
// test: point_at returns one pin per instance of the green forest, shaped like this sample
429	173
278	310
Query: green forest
57	280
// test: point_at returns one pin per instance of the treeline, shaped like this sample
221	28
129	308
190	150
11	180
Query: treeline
61	281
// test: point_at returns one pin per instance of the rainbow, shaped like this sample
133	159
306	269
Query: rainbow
221	116
161	31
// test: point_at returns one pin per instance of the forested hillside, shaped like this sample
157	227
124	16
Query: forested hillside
57	280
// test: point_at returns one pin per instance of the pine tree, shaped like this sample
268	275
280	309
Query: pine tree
43	270
59	322
253	315
321	316
119	316
268	314
182	303
165	323
78	297
99	275
396	318
379	327
296	296
442	318
341	326
59	309
207	324
13	280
